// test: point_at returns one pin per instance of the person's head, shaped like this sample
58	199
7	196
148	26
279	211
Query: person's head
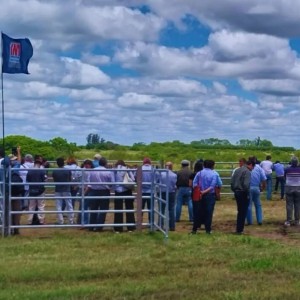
198	166
71	161
97	156
88	164
294	161
242	161
60	162
169	165
185	163
103	162
37	163
209	163
38	157
268	157
28	158
250	164
120	162
146	161
277	162
253	158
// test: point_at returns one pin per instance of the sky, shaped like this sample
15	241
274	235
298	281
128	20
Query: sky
155	70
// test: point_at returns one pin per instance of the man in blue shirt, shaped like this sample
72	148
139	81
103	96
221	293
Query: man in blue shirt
279	171
257	184
207	181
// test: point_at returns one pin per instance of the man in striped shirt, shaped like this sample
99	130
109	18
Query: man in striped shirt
292	175
99	186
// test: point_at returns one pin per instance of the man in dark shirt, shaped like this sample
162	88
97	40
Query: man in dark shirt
63	191
184	191
240	185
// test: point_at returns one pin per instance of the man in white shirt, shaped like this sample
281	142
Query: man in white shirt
28	164
267	166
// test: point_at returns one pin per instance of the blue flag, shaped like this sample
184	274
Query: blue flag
16	54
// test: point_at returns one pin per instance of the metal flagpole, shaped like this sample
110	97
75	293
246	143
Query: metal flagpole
2	95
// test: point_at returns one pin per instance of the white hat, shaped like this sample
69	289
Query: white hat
97	156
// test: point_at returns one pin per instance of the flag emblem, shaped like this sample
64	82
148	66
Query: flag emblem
15	54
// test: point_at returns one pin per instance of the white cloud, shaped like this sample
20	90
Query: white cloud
80	74
142	102
104	65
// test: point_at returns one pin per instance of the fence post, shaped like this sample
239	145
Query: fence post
139	214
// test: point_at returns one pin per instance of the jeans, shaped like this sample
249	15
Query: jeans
242	202
207	204
292	203
280	180
254	198
269	186
184	195
86	216
171	209
69	206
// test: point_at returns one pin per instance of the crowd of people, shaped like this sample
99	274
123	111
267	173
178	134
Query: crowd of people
198	189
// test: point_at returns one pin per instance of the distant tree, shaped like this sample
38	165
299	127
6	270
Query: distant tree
62	147
265	143
245	143
93	139
212	142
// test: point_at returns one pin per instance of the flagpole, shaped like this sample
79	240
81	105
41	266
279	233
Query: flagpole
2	96
2	92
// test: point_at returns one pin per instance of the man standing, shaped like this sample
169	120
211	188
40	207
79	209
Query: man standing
147	180
267	166
97	157
99	186
279	171
184	193
257	184
207	180
63	190
292	175
36	175
240	185
28	164
169	179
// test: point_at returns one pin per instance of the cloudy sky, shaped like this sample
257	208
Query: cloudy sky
156	70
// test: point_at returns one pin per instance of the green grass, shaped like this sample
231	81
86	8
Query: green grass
74	264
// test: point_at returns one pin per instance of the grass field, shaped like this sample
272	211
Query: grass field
75	264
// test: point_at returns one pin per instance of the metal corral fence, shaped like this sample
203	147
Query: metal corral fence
158	211
158	219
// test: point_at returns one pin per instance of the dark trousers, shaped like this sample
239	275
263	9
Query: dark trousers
280	180
198	213
118	217
74	191
15	218
242	202
171	209
98	204
207	205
